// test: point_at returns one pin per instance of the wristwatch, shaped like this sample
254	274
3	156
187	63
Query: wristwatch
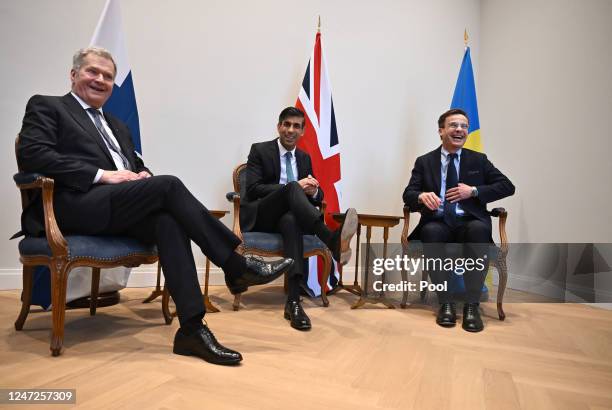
474	192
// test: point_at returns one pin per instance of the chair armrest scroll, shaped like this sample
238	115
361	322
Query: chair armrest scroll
405	228
234	197
498	212
28	180
57	242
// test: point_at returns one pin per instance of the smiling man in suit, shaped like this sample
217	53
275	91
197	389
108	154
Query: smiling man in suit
281	196
103	188
451	186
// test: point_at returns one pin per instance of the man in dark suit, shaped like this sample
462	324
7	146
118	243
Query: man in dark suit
281	196
451	186
102	187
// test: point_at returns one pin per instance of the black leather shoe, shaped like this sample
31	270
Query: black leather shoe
447	315
203	344
341	243
258	272
295	313
471	318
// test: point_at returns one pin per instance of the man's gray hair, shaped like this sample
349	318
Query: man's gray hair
79	56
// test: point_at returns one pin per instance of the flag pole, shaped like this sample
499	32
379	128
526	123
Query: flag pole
465	38
319	25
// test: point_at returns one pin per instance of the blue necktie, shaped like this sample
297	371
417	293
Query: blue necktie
450	209
109	142
289	169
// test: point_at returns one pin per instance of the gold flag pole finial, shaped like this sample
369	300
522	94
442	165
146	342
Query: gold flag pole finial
465	38
319	25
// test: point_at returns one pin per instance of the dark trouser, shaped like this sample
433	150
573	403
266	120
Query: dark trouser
289	212
161	210
474	235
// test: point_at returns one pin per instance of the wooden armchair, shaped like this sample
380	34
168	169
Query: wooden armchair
271	244
62	253
497	254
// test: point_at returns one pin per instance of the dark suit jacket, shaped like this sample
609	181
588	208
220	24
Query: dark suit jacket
262	176
58	139
474	169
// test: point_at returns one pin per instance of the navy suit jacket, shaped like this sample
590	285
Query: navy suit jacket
59	140
474	169
262	176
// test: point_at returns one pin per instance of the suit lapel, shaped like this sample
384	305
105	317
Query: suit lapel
121	139
463	164
275	153
301	165
436	169
82	118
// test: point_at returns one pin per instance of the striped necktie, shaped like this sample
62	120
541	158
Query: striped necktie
450	209
109	142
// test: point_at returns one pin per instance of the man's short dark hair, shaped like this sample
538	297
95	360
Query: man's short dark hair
290	112
452	111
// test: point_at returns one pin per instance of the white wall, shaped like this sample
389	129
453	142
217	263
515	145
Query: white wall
546	99
211	77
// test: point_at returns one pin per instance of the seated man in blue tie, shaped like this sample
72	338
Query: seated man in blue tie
451	186
281	195
103	188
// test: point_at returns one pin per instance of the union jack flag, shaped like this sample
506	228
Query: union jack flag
320	140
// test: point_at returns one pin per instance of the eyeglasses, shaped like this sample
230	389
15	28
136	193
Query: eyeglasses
455	125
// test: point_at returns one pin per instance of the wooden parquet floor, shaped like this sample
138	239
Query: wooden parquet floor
544	356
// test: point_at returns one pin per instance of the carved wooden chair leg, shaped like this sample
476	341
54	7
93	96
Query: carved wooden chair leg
158	290
327	265
236	304
26	296
168	316
404	302
59	281
502	269
95	289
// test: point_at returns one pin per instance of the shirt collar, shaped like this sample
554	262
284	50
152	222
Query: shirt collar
445	153
84	104
283	150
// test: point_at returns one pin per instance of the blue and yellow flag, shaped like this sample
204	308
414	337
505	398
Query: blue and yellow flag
465	99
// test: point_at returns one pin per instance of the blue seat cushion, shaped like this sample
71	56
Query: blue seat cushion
106	248
273	242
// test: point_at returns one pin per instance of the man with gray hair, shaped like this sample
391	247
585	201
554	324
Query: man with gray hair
103	188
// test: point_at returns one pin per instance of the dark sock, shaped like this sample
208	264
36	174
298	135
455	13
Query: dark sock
293	285
323	232
192	325
235	265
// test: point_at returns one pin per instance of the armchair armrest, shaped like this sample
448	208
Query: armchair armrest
28	180
323	207
498	212
25	181
502	214
234	197
406	227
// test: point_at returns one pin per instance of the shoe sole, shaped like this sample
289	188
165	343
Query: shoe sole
185	352
297	328
447	324
349	228
473	330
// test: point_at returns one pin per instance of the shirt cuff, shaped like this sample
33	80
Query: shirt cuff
98	175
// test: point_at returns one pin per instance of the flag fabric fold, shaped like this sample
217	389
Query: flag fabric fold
464	98
320	141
